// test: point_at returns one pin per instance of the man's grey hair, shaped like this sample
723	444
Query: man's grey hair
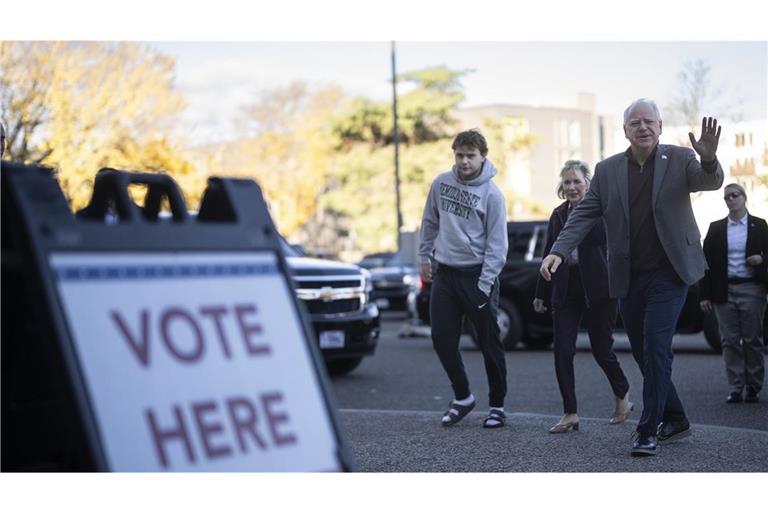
642	101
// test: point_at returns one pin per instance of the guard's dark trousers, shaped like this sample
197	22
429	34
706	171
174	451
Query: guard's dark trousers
455	294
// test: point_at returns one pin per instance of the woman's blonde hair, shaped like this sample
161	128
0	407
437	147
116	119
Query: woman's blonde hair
573	165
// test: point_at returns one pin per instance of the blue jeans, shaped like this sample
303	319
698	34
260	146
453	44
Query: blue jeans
650	312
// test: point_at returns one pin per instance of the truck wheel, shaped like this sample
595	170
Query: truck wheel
538	338
342	366
712	332
539	342
510	326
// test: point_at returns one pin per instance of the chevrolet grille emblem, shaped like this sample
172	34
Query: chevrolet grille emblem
326	294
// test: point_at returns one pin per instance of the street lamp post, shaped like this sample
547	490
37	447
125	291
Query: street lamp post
397	148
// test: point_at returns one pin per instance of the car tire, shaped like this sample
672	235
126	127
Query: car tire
510	326
539	342
712	332
342	366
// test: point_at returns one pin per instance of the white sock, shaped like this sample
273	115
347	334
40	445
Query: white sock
466	401
493	421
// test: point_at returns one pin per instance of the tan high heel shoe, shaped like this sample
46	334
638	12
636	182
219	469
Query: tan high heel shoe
564	426
620	414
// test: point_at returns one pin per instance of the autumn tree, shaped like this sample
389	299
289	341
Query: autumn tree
81	106
362	185
287	147
425	111
697	96
362	179
510	137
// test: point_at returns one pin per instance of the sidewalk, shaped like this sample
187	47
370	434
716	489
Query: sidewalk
414	441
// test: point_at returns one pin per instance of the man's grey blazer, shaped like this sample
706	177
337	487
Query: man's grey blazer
677	173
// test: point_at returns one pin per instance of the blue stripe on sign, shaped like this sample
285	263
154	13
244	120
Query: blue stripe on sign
164	271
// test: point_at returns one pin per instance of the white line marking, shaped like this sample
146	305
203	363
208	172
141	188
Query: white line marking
538	415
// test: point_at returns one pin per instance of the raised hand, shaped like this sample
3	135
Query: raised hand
706	146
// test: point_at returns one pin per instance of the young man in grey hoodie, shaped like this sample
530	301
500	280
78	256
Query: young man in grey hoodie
463	249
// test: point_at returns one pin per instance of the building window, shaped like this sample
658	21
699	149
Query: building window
570	133
745	167
575	134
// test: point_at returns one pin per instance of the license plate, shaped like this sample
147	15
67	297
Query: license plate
332	339
382	303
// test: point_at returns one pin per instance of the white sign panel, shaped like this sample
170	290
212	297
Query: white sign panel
195	362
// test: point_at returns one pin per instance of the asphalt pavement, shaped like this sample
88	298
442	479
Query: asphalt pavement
390	409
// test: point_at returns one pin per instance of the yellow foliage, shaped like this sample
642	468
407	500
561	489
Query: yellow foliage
288	152
81	106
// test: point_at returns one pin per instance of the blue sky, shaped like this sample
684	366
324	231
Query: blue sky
218	78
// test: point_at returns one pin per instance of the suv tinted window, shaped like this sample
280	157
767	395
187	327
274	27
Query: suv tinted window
381	260
526	240
518	245
540	240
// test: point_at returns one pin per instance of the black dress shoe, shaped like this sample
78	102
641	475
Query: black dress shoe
644	446
734	397
669	431
752	396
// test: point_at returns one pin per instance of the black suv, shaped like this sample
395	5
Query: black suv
393	282
337	298
517	319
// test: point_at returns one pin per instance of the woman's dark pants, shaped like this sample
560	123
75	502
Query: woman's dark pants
600	319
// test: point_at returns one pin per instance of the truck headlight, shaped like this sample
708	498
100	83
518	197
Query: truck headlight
367	286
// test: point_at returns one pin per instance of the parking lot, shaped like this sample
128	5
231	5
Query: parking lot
390	409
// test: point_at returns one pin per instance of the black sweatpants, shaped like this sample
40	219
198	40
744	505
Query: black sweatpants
454	295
